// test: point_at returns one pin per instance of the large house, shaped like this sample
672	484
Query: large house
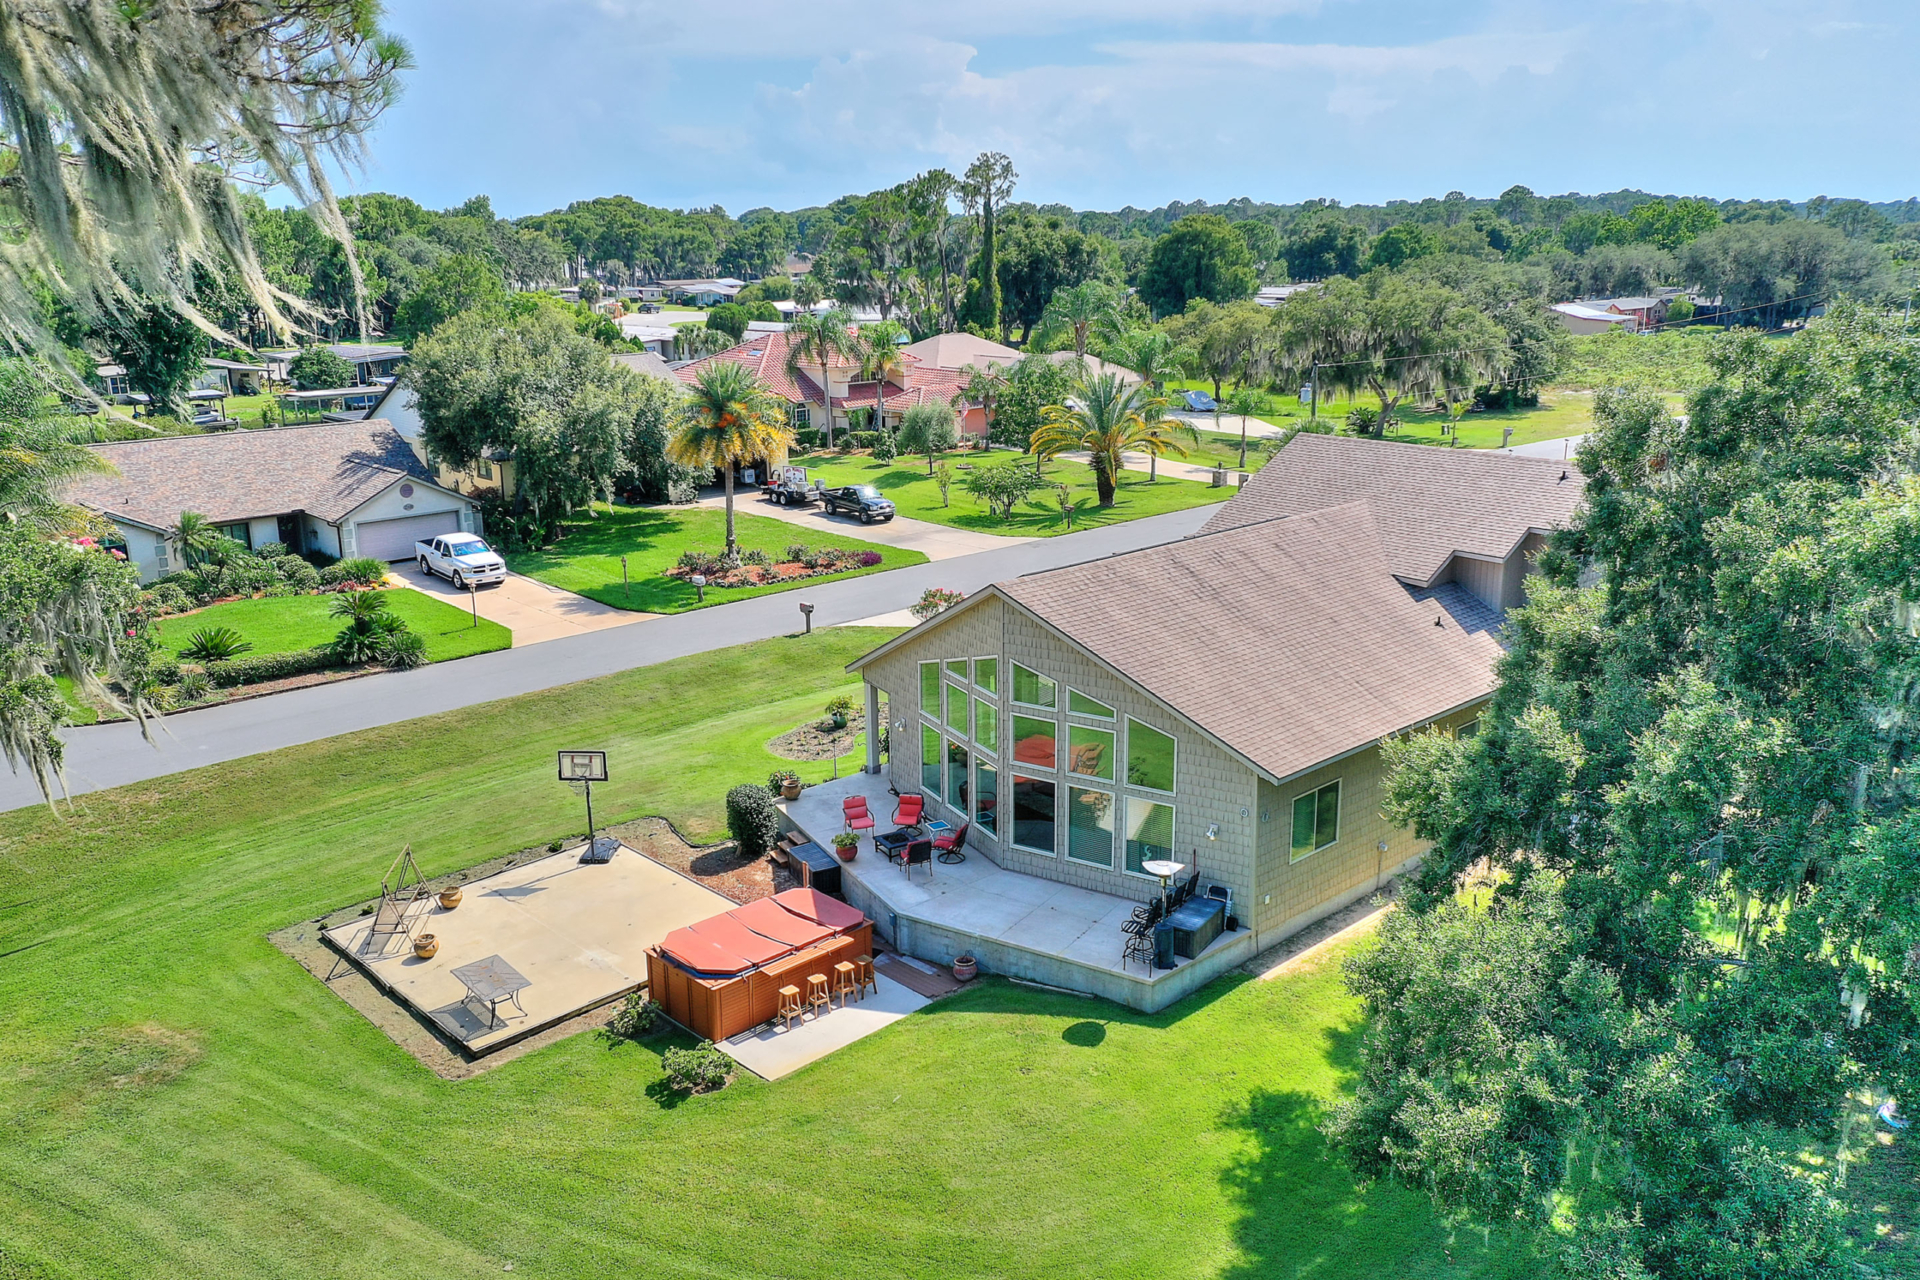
342	489
1220	701
847	400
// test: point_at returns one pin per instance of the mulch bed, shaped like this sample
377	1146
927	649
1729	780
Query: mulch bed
818	739
720	867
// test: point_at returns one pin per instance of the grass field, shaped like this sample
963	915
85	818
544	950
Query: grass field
179	1098
915	494
587	559
284	623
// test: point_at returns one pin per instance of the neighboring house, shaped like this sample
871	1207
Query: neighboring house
704	293
336	404
647	362
758	328
371	361
344	489
1274	294
958	350
233	378
110	380
1646	312
649	332
1221	700
848	398
1585	318
1095	366
398	407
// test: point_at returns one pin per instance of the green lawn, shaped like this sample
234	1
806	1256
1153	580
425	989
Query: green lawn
915	494
587	559
181	1099
78	711
283	623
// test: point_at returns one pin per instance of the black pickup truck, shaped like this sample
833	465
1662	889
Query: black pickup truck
862	500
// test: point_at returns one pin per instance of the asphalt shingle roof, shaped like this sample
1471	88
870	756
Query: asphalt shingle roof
1289	641
1429	503
324	470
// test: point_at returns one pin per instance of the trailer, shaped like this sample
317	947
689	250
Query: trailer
790	487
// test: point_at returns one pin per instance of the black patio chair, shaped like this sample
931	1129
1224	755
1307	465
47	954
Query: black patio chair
1139	947
918	854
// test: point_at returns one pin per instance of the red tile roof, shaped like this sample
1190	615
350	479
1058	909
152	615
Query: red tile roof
766	355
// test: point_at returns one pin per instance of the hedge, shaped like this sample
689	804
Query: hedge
257	668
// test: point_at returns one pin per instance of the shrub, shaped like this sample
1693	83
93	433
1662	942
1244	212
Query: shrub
369	626
271	551
868	559
935	600
752	820
1003	487
214	644
703	562
403	651
696	1070
884	448
1364	420
318	369
260	667
862	439
167	596
780	779
635	1017
756	556
797	552
194	686
163	668
840	706
358	571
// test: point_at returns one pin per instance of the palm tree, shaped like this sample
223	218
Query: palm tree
36	461
730	419
1157	358
1246	402
1107	417
1089	307
820	338
195	536
880	360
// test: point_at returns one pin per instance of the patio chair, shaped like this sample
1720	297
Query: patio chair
918	854
854	810
909	811
1186	890
1139	947
951	841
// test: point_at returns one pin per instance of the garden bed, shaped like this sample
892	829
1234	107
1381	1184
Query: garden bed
818	739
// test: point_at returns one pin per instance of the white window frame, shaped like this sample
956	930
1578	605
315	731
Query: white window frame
973	816
1038	775
947	743
1114	765
973	675
1120	833
1115	843
920	690
1339	817
1112	717
1127	744
1014	685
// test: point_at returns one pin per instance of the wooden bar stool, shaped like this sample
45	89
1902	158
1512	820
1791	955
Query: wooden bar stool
818	998
843	982
790	1006
863	975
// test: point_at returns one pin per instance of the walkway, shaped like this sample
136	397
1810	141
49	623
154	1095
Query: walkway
111	755
934	541
1172	468
529	608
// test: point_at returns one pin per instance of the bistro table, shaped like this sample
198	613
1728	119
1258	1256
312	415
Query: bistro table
492	980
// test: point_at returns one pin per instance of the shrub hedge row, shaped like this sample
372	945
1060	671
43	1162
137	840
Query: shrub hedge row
257	668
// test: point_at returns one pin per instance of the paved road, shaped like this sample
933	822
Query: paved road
111	755
1563	448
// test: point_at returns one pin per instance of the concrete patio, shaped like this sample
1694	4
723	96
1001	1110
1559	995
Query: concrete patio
577	932
1015	925
777	1050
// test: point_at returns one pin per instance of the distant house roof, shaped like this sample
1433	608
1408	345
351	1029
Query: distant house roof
1328	652
644	362
235	365
958	350
335	393
1274	294
1429	503
1624	304
325	471
367	350
766	326
1096	367
1588	311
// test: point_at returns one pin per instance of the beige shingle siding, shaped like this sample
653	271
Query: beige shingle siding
1430	502
1290	895
1486	579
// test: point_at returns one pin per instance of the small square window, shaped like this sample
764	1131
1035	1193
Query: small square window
957	668
1031	689
1080	704
1150	757
1090	818
1090	752
986	674
1316	820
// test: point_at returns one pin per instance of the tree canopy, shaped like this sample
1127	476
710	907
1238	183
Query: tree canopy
1199	257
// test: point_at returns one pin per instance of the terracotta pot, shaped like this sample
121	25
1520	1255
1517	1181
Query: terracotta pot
964	969
425	945
790	791
450	898
846	851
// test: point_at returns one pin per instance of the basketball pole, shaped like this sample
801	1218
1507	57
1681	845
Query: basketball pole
589	817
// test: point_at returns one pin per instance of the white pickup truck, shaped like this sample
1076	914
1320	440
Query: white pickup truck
464	559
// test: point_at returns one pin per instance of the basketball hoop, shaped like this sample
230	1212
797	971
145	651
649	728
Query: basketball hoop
580	770
578	786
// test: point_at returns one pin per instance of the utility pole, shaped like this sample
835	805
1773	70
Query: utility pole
1313	385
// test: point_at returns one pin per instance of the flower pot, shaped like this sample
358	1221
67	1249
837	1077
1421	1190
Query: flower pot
790	791
450	898
846	851
839	722
964	969
425	945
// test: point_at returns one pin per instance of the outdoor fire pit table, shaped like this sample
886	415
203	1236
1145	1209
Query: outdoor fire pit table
492	980
893	843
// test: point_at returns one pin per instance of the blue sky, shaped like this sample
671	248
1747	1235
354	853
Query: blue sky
1103	103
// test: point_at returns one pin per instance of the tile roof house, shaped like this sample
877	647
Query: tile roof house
1220	701
849	398
344	489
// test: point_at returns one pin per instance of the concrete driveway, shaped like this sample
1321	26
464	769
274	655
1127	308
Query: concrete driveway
935	541
531	609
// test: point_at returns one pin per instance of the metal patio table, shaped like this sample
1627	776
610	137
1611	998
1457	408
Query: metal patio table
492	980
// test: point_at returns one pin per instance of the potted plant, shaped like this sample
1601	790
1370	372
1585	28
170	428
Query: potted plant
964	967
840	708
846	844
785	783
450	897
425	945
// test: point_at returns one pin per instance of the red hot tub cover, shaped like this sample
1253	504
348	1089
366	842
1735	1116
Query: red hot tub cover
771	921
702	955
811	904
730	935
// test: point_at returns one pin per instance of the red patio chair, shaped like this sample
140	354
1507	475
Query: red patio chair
854	809
949	843
910	810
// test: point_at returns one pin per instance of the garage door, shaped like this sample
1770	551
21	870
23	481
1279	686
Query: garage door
394	539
